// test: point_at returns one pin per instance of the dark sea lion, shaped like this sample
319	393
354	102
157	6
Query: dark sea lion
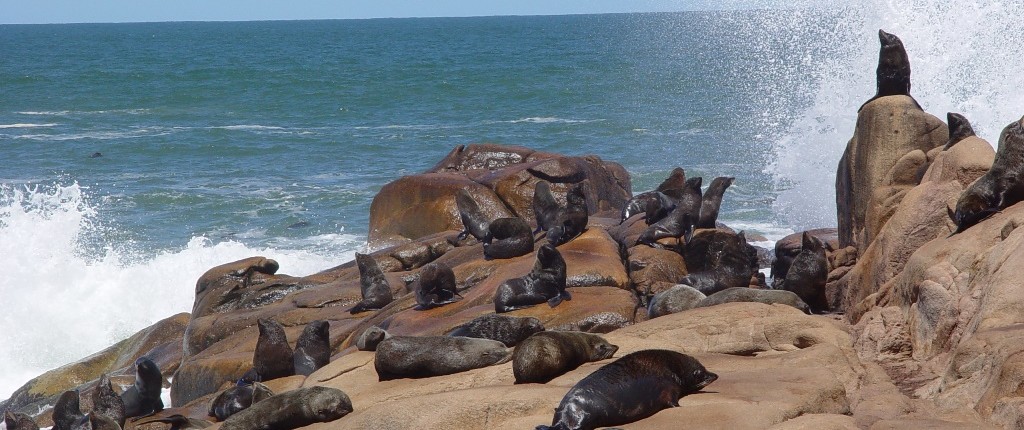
96	155
178	422
273	358
676	299
313	349
67	411
573	219
658	208
506	329
999	188
678	224
237	399
94	421
293	409
959	129
808	274
545	207
545	283
673	185
692	197
671	188
550	354
893	72
19	421
711	201
373	285
509	238
370	338
107	402
421	357
143	397
719	259
743	294
473	219
436	285
630	389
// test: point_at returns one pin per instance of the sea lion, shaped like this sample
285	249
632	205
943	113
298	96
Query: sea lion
178	422
743	294
658	208
808	274
506	329
630	389
959	129
691	197
719	259
67	412
676	299
373	285
572	221
19	421
545	207
671	188
678	224
1000	187
550	354
143	397
313	349
711	201
95	421
421	357
893	72
473	219
237	399
370	338
273	358
508	238
545	283
436	285
107	402
293	409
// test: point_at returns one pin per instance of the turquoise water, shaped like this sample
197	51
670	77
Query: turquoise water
225	140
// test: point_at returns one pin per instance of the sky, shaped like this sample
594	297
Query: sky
73	11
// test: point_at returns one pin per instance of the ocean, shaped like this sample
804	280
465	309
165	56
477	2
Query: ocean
137	156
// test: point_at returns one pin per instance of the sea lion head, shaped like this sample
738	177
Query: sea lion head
19	421
318	329
548	257
972	207
691	374
327	404
602	350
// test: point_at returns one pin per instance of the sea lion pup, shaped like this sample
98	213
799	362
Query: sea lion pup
808	274
959	129
293	409
508	238
238	398
743	294
572	221
893	72
273	358
545	207
19	421
178	422
678	224
506	329
143	397
545	283
107	402
676	299
94	421
313	349
711	201
1000	187
370	338
474	221
67	412
550	354
436	285
421	357
373	285
630	389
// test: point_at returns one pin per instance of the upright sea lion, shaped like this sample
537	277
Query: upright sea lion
370	338
178	422
421	357
692	197
550	354
436	285
508	238
373	285
143	397
545	207
473	219
313	349
293	409
273	358
545	283
19	421
506	329
671	188
719	259
711	201
572	221
959	129
107	402
678	224
67	412
743	294
676	299
893	72
809	273
237	399
999	188
630	389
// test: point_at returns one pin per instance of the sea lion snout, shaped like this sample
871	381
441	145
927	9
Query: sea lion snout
709	377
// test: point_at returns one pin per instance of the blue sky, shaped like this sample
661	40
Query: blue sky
63	11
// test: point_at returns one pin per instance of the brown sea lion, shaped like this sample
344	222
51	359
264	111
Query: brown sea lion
370	338
19	421
808	274
711	201
719	259
547	355
893	72
436	285
374	286
959	129
107	402
313	348
573	219
273	357
999	188
421	357
545	283
506	329
545	207
293	409
473	219
178	422
67	411
238	398
508	238
95	421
